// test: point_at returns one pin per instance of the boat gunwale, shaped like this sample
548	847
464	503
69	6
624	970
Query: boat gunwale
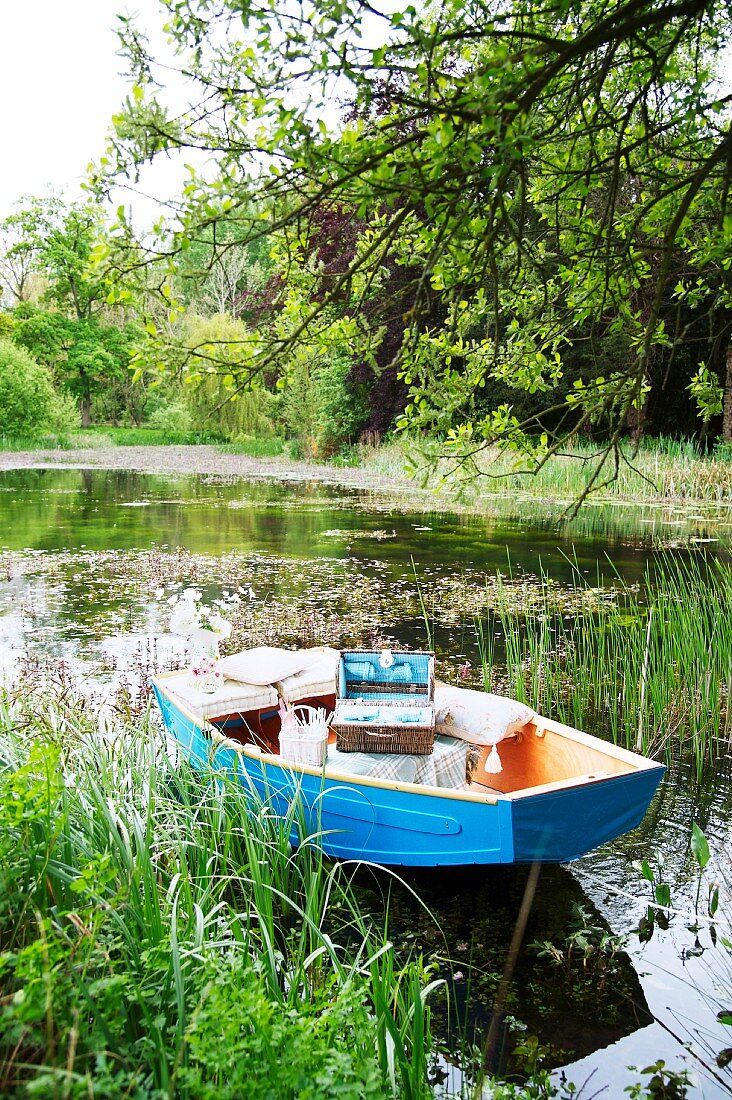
254	752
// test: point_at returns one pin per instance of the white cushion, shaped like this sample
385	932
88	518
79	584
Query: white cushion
318	679
477	716
230	698
267	664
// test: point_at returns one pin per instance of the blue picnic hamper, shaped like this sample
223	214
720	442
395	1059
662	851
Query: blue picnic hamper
385	701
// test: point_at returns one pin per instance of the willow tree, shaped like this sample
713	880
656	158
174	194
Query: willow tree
546	171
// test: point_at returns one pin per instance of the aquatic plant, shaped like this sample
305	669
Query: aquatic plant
663	468
649	665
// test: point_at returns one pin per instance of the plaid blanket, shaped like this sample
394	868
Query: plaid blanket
444	767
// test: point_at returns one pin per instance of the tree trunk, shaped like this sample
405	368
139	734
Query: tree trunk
636	420
85	405
727	414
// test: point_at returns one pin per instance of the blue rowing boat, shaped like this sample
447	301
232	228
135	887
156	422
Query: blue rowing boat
560	792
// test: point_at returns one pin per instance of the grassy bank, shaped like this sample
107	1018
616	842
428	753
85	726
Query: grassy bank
660	469
158	940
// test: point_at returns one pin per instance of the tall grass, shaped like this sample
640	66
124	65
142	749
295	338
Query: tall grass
52	441
160	937
651	667
666	469
255	446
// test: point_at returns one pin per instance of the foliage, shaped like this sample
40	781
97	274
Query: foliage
220	275
663	1083
544	175
213	398
19	262
29	402
88	357
61	239
321	406
172	416
74	332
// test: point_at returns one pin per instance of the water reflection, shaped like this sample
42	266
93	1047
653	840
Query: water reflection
461	921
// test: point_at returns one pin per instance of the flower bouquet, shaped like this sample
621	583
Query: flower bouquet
206	626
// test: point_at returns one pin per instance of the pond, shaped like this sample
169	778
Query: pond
88	560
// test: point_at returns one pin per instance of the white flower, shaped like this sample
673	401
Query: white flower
184	619
219	625
190	616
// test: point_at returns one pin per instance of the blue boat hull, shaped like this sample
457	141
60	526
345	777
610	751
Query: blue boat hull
407	826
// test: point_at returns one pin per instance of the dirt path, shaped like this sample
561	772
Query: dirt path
202	460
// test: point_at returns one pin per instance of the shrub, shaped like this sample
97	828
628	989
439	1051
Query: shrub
323	407
171	417
29	402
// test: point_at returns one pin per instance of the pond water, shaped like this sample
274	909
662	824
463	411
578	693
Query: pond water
89	558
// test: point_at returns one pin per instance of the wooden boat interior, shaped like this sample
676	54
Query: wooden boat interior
547	754
543	755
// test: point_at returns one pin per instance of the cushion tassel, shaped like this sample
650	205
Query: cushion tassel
493	764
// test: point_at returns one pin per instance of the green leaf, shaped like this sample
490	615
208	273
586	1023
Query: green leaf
699	846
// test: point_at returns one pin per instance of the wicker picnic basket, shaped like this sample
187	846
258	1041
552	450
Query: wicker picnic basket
385	701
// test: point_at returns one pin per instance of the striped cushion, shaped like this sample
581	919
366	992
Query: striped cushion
313	682
230	698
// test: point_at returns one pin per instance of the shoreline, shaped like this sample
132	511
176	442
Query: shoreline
203	459
207	460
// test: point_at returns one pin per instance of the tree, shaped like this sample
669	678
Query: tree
77	337
88	358
536	166
19	264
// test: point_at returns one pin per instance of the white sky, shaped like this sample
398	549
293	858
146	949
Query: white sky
60	84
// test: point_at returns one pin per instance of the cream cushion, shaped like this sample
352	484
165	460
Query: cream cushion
230	698
477	716
316	680
267	664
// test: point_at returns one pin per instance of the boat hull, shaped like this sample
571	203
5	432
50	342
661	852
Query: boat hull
403	825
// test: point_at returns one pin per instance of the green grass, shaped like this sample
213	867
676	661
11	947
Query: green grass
159	937
144	437
256	447
108	436
52	441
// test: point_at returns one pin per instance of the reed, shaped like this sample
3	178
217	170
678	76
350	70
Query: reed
159	935
649	666
668	469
